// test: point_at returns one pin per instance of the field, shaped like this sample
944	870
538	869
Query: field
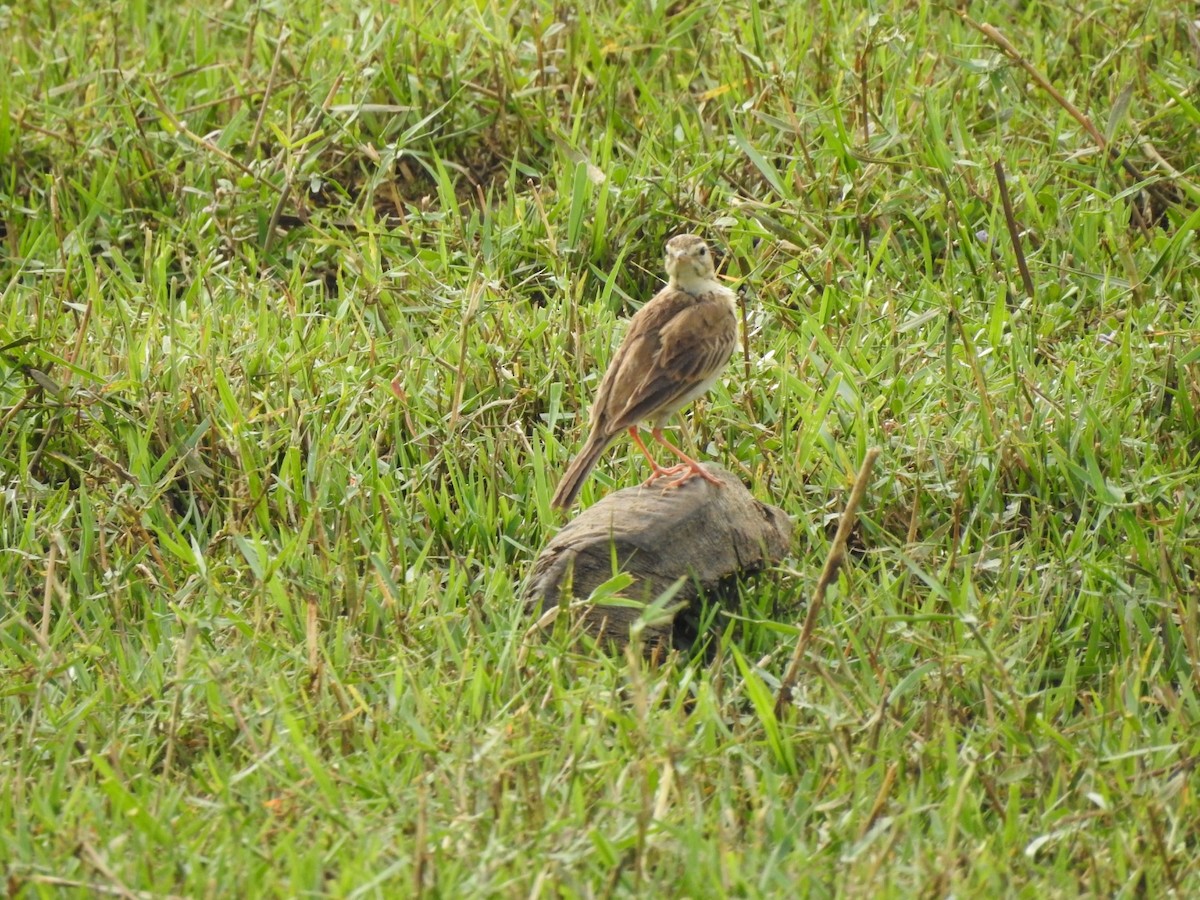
261	630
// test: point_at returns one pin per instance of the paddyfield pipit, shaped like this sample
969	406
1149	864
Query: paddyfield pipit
675	349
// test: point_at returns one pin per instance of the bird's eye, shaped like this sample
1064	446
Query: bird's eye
704	251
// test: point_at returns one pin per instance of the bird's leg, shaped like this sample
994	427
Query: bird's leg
692	467
659	471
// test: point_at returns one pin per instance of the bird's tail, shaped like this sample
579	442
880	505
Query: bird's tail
579	469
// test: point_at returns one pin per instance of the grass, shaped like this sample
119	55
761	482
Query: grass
261	630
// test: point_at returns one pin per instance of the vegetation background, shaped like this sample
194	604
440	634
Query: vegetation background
261	631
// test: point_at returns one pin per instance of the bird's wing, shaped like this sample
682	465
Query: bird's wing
633	359
697	343
684	343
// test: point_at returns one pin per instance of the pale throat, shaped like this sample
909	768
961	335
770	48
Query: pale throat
686	278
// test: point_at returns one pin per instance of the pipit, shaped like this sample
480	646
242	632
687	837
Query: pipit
675	349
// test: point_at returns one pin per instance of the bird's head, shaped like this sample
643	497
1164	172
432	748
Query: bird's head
689	263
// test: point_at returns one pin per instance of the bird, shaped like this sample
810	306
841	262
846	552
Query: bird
675	349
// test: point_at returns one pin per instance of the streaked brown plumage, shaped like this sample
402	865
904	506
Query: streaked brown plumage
676	348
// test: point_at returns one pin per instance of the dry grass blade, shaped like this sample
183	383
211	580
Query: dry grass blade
995	36
1014	231
833	562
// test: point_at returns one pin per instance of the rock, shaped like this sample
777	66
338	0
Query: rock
708	535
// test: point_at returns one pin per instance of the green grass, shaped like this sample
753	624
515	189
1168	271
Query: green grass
261	629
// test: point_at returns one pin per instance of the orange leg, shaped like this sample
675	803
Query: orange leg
659	471
692	467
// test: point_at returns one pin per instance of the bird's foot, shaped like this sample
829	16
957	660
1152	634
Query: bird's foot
693	471
660	472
